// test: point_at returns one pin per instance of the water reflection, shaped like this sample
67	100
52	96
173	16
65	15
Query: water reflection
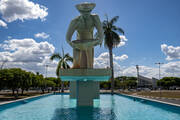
84	113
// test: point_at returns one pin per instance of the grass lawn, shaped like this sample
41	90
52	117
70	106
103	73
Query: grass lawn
7	96
165	94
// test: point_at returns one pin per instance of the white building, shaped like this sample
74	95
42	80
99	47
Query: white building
147	82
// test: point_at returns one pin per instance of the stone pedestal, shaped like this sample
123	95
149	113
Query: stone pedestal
90	86
86	92
84	83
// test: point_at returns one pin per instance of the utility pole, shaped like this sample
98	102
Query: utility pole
159	64
159	69
138	81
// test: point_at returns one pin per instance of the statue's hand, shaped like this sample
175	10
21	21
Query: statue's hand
72	45
98	42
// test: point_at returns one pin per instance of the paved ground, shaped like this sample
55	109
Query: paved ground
169	100
4	98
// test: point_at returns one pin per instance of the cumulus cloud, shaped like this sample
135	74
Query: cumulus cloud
12	10
121	58
168	69
28	54
143	71
42	35
102	61
173	68
9	37
3	24
171	52
123	40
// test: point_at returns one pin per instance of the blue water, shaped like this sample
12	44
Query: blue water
60	107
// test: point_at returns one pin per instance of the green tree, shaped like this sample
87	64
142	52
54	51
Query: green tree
41	82
5	76
26	81
14	81
126	82
35	82
112	40
51	82
167	82
62	64
105	85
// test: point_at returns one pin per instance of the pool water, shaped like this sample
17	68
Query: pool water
108	107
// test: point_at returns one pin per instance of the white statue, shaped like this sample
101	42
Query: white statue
83	47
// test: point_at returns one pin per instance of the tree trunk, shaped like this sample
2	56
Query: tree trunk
62	86
112	67
22	92
17	92
13	91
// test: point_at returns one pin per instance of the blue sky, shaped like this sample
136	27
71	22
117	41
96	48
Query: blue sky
152	29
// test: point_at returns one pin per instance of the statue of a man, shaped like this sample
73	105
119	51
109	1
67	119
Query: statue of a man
83	47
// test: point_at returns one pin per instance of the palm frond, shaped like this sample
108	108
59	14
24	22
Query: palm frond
111	37
113	20
116	39
120	30
58	68
68	58
55	56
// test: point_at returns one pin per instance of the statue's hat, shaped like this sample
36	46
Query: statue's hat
85	6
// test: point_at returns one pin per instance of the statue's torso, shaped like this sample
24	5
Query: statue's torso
85	27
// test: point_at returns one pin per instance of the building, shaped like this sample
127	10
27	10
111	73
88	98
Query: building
147	82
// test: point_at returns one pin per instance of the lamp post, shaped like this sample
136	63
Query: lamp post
159	64
159	69
139	82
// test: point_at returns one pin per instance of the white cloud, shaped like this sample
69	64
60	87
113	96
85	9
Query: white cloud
28	54
102	61
172	68
9	37
143	70
168	69
123	40
41	35
3	24
121	58
171	52
12	10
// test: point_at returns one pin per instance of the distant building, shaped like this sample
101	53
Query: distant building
147	82
154	82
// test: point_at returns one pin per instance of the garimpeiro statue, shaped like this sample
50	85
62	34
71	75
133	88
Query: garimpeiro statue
83	47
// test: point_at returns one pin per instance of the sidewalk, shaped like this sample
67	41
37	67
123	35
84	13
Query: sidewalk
169	100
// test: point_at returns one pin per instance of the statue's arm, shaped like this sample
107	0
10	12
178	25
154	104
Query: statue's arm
70	31
99	28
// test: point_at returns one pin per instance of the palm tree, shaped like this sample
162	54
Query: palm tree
111	40
62	64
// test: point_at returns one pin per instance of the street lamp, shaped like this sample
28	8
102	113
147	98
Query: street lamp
139	82
159	75
159	68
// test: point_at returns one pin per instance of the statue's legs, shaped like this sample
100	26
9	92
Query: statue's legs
76	58
83	59
90	57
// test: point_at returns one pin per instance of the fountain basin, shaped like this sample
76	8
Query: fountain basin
85	74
